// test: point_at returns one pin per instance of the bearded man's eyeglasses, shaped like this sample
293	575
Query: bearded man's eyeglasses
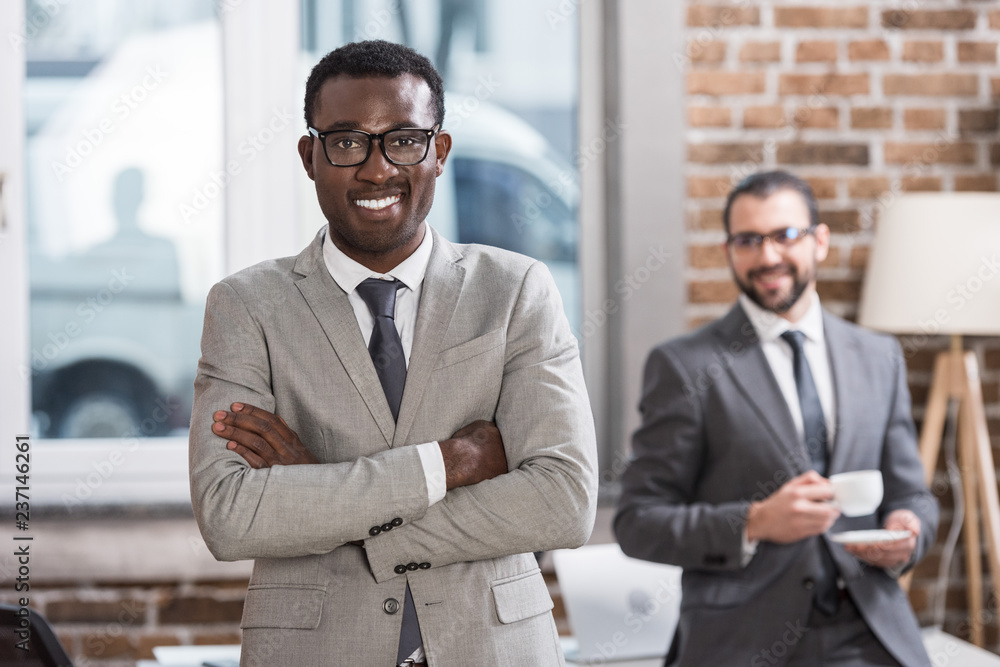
402	147
782	238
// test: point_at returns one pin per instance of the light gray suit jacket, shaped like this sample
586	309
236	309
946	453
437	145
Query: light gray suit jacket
492	343
716	435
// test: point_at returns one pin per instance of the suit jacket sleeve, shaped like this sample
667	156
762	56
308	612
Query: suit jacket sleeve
284	510
659	518
548	498
902	470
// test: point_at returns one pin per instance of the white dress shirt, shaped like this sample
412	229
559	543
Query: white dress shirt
778	352
349	274
769	327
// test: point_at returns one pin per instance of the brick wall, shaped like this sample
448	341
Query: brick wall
863	100
108	625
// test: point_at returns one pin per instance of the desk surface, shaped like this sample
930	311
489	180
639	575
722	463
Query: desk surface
939	645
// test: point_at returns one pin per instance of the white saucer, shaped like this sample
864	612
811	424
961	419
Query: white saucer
869	536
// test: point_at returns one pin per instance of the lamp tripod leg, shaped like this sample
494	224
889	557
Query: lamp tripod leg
973	548
974	426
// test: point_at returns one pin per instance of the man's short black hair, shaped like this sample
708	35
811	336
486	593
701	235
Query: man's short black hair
764	184
374	58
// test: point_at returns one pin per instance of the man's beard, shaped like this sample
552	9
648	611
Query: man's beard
776	302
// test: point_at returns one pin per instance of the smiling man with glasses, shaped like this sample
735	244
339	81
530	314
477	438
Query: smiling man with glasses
389	423
743	422
768	222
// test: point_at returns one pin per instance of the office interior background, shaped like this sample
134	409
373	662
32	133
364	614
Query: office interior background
147	149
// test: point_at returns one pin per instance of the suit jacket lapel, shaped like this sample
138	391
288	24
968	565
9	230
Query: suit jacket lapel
748	367
848	384
438	298
333	310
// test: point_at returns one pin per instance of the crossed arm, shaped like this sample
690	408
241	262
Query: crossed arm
266	495
473	454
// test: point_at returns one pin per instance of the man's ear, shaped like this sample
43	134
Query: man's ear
442	146
822	234
306	153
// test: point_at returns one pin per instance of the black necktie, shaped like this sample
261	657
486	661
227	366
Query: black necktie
827	597
386	351
385	347
813	421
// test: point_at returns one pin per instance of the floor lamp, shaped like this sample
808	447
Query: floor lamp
933	270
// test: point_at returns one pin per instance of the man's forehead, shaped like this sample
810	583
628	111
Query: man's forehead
779	209
374	99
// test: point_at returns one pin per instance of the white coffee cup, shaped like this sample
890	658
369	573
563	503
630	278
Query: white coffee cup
857	493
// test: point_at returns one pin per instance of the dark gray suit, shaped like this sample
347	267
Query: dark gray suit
716	435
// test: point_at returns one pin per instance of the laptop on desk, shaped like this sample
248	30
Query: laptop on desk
618	608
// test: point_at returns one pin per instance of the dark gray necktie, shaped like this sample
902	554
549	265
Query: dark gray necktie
827	597
386	351
385	347
813	421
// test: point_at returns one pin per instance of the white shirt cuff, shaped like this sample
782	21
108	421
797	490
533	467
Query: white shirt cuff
433	463
749	549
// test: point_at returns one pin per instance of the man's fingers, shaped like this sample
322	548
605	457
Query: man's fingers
817	492
262	433
807	478
816	508
251	422
265	424
254	419
250	457
247	439
890	554
903	520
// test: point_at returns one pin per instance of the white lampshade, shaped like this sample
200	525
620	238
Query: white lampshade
935	266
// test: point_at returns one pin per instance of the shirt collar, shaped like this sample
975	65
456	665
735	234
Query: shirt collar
349	274
769	326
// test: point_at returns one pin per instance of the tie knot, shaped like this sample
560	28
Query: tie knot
379	296
794	338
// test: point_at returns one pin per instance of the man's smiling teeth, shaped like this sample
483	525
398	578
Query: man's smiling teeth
376	204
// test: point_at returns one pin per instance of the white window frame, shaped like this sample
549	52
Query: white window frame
260	49
633	203
646	211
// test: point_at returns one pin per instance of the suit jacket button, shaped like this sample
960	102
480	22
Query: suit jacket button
390	606
374	530
399	569
411	566
397	521
386	526
808	583
424	566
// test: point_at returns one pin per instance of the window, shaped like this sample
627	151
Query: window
123	137
123	114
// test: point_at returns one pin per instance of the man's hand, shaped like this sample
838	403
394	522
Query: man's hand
891	554
475	453
799	509
262	438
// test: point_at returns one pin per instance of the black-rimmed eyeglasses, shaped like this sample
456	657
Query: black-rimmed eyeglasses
783	238
402	147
